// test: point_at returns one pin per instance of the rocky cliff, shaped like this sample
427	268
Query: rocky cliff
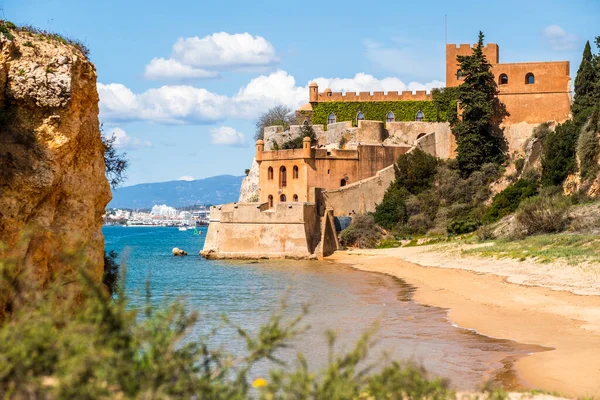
53	188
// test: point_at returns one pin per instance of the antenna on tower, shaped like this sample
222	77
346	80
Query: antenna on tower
446	28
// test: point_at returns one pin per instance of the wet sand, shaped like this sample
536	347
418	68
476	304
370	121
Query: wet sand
505	300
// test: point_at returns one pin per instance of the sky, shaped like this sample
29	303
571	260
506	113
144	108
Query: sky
181	83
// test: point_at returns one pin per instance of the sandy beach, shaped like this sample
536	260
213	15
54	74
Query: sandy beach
552	305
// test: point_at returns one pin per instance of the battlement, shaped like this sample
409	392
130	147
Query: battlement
466	46
328	96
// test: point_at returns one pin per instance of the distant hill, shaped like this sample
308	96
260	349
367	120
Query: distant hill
216	190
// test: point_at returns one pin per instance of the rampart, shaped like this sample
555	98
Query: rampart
360	197
408	95
252	230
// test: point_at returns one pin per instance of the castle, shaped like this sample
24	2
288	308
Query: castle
303	193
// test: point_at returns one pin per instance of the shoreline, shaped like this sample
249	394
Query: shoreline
506	302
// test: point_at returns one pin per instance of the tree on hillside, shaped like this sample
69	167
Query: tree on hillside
479	139
587	89
278	115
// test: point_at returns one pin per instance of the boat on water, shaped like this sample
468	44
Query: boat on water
183	228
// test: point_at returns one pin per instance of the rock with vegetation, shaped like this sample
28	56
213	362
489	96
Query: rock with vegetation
53	188
250	189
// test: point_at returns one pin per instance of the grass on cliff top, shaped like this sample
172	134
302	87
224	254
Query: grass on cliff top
570	248
7	28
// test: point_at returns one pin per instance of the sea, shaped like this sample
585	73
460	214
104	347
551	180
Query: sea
339	299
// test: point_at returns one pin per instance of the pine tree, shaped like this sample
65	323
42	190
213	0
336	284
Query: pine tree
586	86
479	140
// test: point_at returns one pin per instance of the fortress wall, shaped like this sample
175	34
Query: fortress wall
491	52
328	172
360	197
535	108
427	143
370	132
328	96
249	230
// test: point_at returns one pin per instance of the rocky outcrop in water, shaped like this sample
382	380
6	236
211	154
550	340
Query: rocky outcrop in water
53	189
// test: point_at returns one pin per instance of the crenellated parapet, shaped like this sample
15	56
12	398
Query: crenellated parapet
329	96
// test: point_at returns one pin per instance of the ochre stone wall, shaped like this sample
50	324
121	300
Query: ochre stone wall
251	230
321	168
360	197
547	99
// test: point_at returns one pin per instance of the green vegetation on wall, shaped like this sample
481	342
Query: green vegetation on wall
376	111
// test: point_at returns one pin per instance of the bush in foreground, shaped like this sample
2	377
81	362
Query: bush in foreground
363	232
544	214
55	345
507	201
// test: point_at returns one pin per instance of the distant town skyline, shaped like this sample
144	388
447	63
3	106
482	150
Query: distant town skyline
181	84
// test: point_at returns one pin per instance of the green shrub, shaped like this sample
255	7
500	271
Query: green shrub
297	143
484	233
362	233
419	224
415	171
462	225
5	27
542	214
110	277
28	44
587	151
392	209
558	157
507	201
519	164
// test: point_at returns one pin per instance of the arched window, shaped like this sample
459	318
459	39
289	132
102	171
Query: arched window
420	116
343	182
503	79
295	172
459	75
270	201
295	198
270	173
390	117
420	135
529	79
360	116
282	198
282	177
331	118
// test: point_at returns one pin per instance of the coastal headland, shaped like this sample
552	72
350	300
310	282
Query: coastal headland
507	299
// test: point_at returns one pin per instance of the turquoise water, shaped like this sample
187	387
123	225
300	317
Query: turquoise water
340	298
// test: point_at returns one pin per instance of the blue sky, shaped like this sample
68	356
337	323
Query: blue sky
182	82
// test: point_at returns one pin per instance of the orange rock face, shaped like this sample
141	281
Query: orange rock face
53	189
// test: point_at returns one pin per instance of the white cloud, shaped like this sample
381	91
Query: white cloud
227	136
195	57
186	178
559	39
184	104
126	142
159	68
224	50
